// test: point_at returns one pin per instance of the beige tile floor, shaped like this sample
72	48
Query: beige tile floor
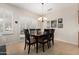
60	48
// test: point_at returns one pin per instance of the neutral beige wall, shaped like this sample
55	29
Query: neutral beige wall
69	32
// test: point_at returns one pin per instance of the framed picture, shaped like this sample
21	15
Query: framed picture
60	25
54	23
60	20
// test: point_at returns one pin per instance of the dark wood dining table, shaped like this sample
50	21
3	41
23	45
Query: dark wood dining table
37	37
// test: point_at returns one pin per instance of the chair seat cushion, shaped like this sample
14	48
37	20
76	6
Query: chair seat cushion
42	41
32	40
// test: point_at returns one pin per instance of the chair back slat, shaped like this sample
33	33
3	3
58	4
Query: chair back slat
27	35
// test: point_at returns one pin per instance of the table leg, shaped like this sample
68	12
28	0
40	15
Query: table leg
37	46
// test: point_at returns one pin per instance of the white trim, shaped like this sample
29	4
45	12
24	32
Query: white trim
67	42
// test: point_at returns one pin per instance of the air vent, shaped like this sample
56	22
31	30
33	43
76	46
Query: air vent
50	9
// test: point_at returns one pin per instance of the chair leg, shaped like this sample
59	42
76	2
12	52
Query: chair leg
25	46
34	45
29	49
43	47
53	41
48	44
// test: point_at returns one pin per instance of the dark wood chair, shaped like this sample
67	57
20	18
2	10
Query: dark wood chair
38	31
44	39
28	40
52	35
32	31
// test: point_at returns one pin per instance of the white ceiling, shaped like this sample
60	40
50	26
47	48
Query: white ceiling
37	7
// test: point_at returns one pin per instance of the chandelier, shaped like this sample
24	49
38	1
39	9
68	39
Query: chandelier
42	18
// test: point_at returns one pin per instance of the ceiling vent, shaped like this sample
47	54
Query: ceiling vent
50	9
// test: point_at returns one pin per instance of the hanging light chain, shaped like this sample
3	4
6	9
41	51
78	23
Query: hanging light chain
42	18
42	12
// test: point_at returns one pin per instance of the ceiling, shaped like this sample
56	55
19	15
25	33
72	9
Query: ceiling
37	7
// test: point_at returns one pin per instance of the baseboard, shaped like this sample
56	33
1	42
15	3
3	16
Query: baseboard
67	42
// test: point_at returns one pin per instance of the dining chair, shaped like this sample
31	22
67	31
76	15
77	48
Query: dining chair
52	31
44	39
32	31
38	31
46	31
28	40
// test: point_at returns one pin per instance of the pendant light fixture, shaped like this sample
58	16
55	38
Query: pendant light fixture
42	18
